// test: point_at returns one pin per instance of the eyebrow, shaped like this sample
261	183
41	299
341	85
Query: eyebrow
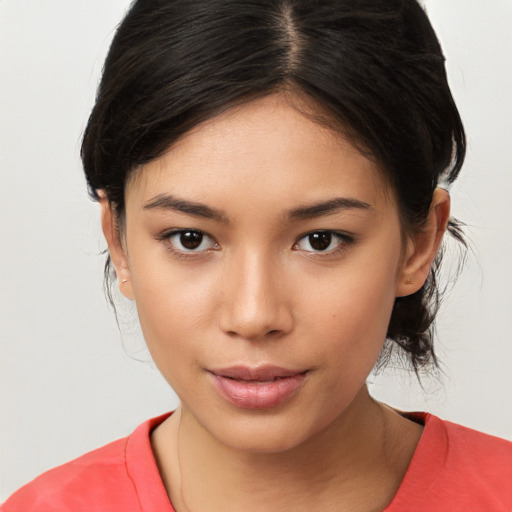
310	211
329	207
169	202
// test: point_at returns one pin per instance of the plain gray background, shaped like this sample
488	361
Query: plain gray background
69	382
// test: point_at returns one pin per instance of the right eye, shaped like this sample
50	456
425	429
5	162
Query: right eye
189	241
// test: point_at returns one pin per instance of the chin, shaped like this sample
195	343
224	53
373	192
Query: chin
270	431
263	437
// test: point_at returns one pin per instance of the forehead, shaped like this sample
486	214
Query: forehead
263	151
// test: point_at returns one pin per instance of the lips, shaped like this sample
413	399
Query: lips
263	387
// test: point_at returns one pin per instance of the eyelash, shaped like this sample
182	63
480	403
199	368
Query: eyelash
344	240
181	253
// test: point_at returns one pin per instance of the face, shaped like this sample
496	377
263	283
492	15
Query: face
264	254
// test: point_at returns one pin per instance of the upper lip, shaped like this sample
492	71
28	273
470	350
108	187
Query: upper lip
259	373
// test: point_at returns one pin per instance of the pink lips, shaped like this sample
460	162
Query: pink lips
257	388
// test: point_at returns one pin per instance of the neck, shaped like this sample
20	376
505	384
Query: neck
363	449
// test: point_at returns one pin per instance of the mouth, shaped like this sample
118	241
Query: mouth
264	387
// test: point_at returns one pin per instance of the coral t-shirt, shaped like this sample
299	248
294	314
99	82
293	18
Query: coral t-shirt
454	469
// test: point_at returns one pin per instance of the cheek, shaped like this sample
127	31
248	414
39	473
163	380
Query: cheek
356	325
352	313
171	303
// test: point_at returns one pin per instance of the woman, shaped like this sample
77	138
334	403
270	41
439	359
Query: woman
270	176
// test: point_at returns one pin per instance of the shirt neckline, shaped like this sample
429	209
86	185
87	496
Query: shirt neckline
429	457
143	470
431	452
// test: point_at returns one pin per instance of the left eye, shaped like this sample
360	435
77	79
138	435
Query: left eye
190	241
320	241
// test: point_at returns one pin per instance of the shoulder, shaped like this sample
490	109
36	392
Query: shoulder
456	468
473	447
480	463
88	479
110	478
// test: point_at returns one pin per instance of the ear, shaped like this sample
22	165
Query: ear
422	247
115	248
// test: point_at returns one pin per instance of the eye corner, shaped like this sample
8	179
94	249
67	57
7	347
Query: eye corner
199	243
323	242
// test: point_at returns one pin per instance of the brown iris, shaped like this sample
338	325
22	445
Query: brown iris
191	239
320	241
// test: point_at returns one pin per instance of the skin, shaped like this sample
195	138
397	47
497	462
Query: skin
256	292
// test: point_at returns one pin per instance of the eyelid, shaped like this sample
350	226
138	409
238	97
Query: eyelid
344	238
167	235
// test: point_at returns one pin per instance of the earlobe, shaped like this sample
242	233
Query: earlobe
115	248
422	247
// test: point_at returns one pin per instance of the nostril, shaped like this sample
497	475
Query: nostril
253	335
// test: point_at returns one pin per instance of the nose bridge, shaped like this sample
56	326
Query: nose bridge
254	299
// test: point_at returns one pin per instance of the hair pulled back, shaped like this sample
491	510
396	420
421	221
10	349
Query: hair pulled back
374	67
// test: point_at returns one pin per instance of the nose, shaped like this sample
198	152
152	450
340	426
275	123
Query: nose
255	304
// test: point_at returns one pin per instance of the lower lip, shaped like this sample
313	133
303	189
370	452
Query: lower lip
258	395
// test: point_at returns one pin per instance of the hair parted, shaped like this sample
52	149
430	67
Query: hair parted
373	69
